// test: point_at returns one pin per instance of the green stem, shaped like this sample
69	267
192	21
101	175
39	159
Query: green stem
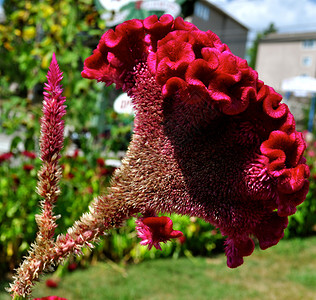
17	297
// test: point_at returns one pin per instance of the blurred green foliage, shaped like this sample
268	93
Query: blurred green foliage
303	222
83	179
32	32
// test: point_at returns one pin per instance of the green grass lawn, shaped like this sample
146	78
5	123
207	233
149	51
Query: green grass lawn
286	271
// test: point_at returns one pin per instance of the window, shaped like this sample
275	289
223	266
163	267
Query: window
201	11
309	44
307	61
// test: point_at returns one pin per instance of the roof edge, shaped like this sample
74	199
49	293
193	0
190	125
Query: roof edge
213	6
288	37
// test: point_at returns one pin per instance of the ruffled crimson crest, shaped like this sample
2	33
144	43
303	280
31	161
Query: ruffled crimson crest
211	140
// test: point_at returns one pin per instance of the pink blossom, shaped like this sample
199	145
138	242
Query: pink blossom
154	230
311	153
100	162
182	239
51	283
5	156
70	175
28	167
76	153
89	190
210	140
29	154
72	266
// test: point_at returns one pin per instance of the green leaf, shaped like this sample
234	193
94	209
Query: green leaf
15	142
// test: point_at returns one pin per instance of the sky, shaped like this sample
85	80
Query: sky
287	15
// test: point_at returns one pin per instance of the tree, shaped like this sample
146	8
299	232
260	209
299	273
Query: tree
32	32
252	52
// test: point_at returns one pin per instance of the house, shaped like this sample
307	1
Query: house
285	55
207	16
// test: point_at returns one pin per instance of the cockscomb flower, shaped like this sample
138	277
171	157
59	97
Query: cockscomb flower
210	140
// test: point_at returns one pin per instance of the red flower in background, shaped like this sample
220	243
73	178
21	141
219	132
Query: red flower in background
138	4
210	139
72	266
29	154
5	156
311	153
70	175
74	154
51	283
89	190
28	167
100	162
182	239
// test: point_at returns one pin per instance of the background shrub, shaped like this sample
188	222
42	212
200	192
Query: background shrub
303	222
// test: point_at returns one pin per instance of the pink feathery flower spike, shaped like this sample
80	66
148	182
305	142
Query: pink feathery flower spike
52	127
51	143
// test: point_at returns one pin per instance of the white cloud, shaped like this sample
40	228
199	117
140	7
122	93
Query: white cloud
287	15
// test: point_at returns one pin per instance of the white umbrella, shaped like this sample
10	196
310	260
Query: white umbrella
300	85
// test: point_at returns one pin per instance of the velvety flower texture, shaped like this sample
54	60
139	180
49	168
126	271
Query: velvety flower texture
210	140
